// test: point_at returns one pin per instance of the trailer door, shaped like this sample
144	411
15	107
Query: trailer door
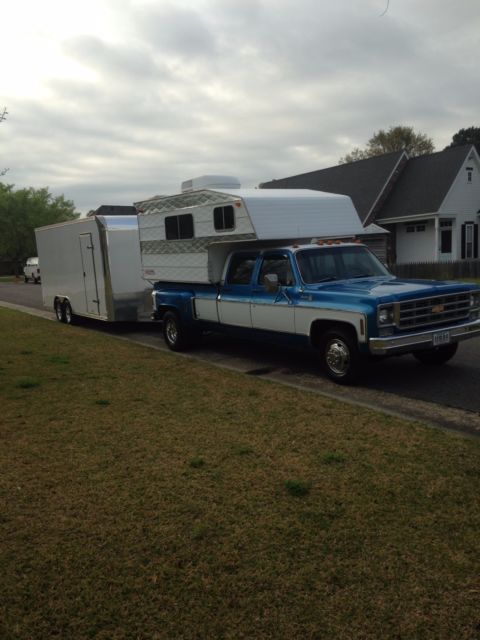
89	274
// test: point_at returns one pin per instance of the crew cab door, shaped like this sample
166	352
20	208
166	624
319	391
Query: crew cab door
234	299
274	311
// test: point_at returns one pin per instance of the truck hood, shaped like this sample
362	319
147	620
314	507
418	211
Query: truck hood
392	289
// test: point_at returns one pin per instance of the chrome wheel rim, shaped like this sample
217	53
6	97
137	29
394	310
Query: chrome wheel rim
171	331
58	311
68	314
337	356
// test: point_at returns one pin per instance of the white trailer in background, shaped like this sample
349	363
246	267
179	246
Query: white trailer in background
91	267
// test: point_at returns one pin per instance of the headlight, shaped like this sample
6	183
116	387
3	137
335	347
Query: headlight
385	315
475	299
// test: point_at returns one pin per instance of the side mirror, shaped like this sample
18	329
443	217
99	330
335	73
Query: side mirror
270	282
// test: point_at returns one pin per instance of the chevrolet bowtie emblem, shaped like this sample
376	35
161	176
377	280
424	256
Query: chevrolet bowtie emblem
438	308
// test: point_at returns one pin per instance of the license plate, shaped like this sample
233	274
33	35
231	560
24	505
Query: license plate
441	337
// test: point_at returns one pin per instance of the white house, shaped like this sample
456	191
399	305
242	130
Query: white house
430	204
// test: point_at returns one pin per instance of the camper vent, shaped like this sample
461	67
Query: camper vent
210	182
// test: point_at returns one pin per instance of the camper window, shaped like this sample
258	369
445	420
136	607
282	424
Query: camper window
223	218
179	227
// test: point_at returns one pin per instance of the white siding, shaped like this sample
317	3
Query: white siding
463	200
418	246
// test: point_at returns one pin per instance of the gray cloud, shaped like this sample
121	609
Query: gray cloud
258	89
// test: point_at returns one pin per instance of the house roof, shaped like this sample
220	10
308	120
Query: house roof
424	183
364	180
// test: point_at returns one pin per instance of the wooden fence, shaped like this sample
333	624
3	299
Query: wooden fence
455	270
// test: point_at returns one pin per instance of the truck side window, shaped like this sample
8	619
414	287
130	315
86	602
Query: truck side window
280	265
241	269
179	227
224	218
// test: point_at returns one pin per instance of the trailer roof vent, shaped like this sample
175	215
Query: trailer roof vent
210	182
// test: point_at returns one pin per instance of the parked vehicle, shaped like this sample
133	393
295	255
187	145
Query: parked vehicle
221	260
31	270
91	267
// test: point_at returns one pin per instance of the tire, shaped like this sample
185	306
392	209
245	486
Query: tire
341	358
69	317
25	279
59	311
437	355
176	337
36	280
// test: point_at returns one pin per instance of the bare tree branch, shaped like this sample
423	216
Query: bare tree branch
386	9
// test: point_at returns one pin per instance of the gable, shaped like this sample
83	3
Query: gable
424	184
464	194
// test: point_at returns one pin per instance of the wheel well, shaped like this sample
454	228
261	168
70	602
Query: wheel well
319	327
161	311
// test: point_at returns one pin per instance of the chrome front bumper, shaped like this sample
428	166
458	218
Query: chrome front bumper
424	340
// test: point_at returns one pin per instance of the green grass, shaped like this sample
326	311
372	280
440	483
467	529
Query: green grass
112	528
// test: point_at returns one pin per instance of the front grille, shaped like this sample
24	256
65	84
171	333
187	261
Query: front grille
433	311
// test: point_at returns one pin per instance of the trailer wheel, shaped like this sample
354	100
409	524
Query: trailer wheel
437	355
341	358
69	317
177	338
59	312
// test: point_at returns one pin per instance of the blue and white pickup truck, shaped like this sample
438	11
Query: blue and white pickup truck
335	296
236	260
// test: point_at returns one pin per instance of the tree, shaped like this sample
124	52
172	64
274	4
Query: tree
466	136
3	115
395	139
21	211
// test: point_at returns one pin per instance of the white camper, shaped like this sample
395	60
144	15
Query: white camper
179	232
91	267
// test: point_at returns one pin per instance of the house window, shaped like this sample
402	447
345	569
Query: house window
469	240
179	227
469	174
412	228
223	218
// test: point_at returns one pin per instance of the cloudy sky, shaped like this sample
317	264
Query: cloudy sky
113	101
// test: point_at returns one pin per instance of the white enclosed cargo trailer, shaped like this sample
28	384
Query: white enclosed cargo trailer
91	267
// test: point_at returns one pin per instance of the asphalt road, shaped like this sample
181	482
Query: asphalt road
445	396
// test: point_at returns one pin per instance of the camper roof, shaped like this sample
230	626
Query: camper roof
274	213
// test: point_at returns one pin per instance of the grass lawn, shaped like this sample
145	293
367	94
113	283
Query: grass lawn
143	495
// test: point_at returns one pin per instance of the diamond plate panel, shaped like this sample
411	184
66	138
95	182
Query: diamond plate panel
196	245
160	204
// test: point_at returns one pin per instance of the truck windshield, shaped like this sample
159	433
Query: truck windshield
338	263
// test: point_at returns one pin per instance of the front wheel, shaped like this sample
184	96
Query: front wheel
340	356
437	355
